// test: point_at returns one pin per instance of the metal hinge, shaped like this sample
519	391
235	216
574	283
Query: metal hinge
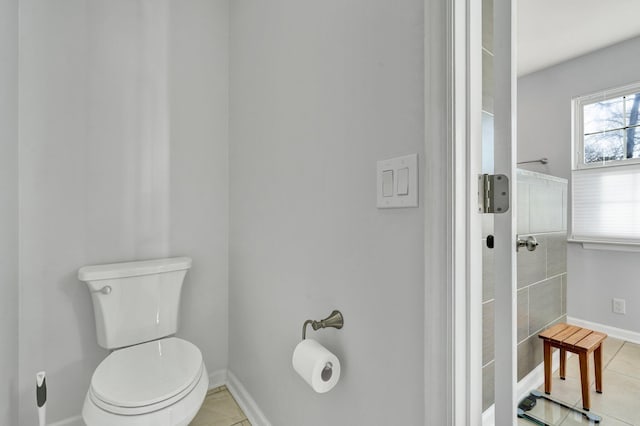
493	193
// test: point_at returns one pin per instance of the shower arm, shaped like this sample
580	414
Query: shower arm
544	160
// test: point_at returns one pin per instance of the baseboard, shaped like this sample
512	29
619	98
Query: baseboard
71	421
529	382
246	402
218	378
618	333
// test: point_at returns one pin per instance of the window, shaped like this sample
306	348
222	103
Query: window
605	181
608	126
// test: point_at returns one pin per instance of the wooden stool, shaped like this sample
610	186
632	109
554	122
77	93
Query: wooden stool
580	341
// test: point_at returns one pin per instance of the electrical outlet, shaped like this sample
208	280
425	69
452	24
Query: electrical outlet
619	306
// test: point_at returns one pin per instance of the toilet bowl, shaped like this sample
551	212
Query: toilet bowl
152	384
151	377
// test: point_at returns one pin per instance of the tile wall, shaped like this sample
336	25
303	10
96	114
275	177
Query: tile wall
542	274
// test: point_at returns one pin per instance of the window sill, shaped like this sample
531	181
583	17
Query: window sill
607	245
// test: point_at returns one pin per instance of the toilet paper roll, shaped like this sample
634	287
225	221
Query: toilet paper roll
316	365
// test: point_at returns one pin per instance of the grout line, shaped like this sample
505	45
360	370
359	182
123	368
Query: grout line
224	389
562	293
545	326
624	342
555	233
490	362
546	260
566	416
605	367
528	312
216	390
237	405
543	280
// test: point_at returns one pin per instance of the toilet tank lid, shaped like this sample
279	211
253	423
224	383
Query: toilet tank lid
133	269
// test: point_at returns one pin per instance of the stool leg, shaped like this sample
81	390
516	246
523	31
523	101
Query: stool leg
547	367
563	363
597	358
584	378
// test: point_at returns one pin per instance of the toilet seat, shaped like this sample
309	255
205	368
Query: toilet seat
147	377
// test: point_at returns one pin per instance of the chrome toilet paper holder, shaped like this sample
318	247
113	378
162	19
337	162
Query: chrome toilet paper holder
334	320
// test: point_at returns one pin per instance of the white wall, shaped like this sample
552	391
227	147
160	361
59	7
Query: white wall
319	92
595	277
199	169
8	211
117	150
544	129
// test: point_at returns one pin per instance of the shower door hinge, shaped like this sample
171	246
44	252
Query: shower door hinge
493	193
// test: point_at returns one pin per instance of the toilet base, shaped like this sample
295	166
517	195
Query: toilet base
179	414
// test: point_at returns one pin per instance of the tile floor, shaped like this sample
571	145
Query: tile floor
619	404
220	409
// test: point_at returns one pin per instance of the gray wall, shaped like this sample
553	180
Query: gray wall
319	92
8	212
199	225
122	157
544	129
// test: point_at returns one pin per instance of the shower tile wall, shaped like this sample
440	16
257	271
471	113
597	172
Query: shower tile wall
542	274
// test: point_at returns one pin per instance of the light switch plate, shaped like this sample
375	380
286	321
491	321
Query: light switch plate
399	200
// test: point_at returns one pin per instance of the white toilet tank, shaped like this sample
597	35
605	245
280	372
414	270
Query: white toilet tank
135	302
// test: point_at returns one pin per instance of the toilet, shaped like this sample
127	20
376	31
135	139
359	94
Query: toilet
151	377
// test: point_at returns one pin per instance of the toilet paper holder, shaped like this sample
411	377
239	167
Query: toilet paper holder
335	320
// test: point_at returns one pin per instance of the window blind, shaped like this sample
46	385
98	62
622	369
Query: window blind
606	204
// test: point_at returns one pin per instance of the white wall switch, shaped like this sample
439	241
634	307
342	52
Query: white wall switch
403	182
387	183
402	174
